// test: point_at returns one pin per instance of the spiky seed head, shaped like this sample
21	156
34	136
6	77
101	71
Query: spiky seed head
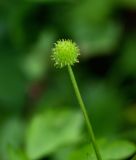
65	52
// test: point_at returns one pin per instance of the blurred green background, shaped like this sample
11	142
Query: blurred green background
39	116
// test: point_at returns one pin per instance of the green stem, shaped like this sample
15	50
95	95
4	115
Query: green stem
81	103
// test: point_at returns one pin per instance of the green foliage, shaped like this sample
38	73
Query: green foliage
94	38
105	32
63	130
11	134
110	149
16	154
35	64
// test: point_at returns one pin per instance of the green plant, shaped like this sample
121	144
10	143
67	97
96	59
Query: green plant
65	53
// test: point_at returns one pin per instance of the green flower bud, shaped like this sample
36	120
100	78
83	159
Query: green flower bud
65	53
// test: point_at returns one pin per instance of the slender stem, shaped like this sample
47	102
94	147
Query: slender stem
82	106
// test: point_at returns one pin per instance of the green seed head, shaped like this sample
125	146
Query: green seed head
65	53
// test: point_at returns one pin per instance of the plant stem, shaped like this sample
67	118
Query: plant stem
82	106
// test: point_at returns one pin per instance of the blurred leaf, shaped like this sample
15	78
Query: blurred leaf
35	64
63	152
51	130
12	132
93	11
119	150
96	39
115	150
16	154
